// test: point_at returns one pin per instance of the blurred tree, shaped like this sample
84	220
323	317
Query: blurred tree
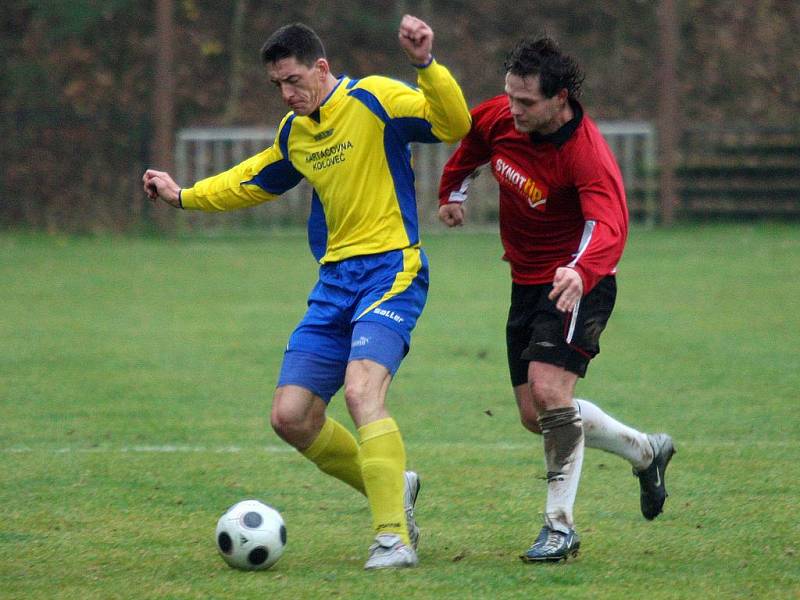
163	145
668	123
70	116
76	76
237	63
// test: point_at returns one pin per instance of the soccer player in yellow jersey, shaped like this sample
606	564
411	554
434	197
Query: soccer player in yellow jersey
349	138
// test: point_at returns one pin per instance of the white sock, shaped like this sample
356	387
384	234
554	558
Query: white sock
606	433
562	435
561	495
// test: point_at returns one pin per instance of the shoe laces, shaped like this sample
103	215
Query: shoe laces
386	543
553	541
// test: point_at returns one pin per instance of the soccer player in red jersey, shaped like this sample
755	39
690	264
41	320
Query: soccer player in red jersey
563	225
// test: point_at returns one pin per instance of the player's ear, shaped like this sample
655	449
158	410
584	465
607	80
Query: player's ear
323	67
563	94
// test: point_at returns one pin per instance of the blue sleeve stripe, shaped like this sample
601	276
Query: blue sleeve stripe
416	129
410	129
278	177
398	155
369	100
283	137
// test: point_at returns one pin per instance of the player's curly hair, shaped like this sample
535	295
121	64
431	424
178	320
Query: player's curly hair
543	57
296	40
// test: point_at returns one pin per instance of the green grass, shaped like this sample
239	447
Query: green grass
136	378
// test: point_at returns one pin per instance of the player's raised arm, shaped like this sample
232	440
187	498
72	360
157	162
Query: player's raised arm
446	108
416	38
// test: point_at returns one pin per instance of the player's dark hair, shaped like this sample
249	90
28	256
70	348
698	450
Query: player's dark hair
297	41
543	57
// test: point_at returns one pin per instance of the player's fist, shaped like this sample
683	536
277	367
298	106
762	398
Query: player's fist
452	214
416	38
159	184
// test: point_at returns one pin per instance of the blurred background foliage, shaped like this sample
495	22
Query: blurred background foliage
77	77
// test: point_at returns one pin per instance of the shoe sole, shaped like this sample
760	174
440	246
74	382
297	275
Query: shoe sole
554	559
383	567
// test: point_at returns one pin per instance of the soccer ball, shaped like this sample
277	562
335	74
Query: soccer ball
251	535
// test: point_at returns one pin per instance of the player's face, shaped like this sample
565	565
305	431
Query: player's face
302	87
532	112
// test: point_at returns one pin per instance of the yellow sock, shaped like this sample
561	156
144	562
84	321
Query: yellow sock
335	452
383	461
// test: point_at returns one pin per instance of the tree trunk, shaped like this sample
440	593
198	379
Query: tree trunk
668	116
162	148
231	115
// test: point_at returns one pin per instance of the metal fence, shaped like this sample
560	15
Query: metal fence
634	145
201	152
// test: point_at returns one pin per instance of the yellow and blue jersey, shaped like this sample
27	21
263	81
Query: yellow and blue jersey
355	153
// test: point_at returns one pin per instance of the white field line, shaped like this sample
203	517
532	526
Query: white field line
285	449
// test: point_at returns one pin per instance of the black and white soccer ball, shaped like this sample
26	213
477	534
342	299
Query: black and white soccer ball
251	535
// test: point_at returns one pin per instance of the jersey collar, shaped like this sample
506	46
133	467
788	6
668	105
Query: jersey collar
330	101
559	137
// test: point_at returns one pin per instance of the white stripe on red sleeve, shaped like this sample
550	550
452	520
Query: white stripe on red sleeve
588	229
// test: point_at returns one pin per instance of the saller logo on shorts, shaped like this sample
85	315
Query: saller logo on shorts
388	313
532	191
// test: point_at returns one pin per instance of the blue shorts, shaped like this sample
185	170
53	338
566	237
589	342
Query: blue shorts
363	307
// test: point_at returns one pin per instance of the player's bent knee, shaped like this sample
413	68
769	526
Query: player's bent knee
297	420
286	425
299	433
529	417
546	396
530	421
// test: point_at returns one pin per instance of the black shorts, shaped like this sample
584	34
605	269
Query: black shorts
537	331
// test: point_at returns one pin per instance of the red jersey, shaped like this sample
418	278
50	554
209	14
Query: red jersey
562	199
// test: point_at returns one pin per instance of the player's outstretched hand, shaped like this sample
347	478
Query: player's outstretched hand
159	184
416	38
567	289
452	214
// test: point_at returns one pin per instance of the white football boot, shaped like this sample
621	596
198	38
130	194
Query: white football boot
389	552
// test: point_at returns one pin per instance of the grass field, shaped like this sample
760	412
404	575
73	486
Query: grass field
136	377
